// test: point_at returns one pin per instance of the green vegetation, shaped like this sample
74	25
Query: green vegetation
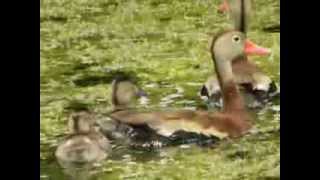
164	44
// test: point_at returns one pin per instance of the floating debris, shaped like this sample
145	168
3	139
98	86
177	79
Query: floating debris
194	84
152	85
109	170
131	163
144	101
126	156
189	102
44	176
184	146
180	90
171	96
190	108
166	103
275	108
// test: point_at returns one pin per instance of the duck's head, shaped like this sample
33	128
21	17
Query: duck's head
240	13
232	45
81	122
228	46
125	92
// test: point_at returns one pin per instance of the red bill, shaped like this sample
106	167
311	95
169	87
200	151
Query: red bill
253	49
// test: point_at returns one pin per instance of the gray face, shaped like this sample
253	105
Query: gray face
229	46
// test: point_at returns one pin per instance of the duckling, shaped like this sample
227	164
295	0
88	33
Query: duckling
124	96
125	93
85	144
233	121
256	85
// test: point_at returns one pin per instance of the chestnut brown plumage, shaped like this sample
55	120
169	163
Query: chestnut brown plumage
247	74
232	121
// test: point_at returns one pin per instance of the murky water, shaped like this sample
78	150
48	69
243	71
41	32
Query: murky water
164	45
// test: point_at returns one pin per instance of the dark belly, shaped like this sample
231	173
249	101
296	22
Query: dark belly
145	138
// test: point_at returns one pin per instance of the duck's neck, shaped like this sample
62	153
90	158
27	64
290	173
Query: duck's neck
114	91
232	100
240	59
240	14
242	25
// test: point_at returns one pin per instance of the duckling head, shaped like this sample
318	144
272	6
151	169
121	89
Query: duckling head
81	122
125	92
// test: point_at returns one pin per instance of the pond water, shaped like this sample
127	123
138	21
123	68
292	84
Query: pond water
164	45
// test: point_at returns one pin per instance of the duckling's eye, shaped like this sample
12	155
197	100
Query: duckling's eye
236	39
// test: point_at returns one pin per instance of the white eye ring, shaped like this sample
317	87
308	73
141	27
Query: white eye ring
236	39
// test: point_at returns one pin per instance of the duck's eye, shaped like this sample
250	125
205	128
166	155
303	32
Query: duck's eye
236	39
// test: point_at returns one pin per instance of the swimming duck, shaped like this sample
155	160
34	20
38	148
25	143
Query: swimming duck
140	136
232	121
253	81
85	144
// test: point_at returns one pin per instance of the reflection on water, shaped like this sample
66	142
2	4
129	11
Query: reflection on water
78	171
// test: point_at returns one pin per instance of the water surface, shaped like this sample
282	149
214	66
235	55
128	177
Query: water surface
164	45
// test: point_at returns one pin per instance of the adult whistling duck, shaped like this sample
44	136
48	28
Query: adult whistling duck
255	83
232	121
85	144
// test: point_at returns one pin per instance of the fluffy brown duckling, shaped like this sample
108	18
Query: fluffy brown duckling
85	144
232	121
258	88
